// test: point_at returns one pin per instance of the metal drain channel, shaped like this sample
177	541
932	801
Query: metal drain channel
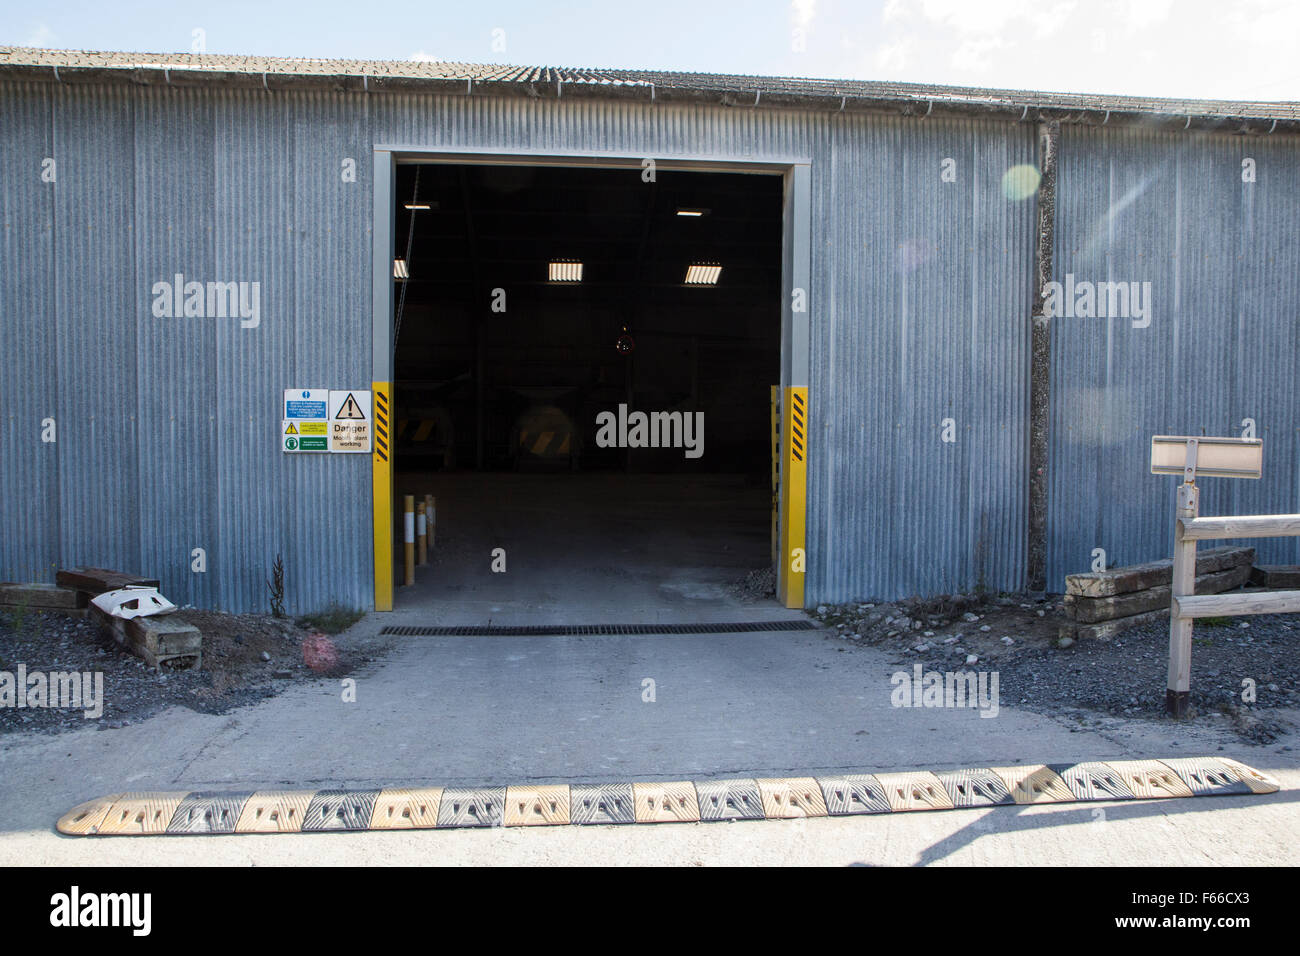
566	630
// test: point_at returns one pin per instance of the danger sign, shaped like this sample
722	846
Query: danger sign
349	421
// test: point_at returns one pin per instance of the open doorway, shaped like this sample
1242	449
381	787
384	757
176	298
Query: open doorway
584	367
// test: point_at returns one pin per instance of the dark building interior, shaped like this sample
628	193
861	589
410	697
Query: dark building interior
505	357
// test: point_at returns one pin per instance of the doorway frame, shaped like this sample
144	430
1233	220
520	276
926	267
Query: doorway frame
796	305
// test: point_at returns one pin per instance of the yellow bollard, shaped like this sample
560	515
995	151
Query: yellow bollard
408	519
420	538
431	517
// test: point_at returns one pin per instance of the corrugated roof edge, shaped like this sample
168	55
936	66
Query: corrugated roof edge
756	92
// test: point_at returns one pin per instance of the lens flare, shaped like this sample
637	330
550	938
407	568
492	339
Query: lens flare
1020	182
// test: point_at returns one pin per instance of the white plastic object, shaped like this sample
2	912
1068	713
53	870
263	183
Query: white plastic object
133	601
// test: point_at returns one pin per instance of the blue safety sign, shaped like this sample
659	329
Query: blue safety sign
305	402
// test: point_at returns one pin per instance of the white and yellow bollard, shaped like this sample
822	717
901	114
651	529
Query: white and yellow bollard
421	541
408	519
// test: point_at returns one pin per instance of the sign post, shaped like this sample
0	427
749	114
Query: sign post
1189	456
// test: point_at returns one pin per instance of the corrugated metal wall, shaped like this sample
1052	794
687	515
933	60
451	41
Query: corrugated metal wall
921	292
166	426
921	289
1222	258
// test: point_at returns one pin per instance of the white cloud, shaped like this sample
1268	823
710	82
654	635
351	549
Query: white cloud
1192	48
421	57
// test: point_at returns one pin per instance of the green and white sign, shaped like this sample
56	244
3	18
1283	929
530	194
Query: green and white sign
297	435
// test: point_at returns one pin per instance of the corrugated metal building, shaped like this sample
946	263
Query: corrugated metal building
923	282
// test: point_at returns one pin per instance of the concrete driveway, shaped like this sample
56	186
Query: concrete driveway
512	710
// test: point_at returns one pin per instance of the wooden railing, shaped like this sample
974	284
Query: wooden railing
1185	605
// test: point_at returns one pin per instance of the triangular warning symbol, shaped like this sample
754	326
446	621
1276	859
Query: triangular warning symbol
350	409
291	430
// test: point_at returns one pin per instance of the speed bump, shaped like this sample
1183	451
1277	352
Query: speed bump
274	811
1150	779
537	806
403	809
790	798
854	793
145	813
1093	781
85	818
1035	783
1257	781
601	803
469	807
975	788
340	810
729	800
920	790
681	801
1207	777
203	812
674	802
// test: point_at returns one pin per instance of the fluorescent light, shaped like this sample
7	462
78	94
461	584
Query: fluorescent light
692	212
400	271
419	205
703	274
566	272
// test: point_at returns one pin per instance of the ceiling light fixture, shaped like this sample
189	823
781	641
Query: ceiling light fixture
693	212
566	272
419	205
703	273
400	271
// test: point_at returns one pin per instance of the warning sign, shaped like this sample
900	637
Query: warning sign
303	436
303	426
350	409
349	421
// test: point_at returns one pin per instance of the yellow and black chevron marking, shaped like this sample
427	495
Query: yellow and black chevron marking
381	468
785	798
794	495
798	429
545	444
423	428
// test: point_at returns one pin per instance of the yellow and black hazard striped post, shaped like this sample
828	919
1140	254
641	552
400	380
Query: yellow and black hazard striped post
382	491
794	493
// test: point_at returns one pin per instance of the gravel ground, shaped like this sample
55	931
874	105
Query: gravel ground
1016	636
246	658
759	585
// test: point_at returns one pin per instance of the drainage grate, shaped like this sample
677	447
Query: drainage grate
564	630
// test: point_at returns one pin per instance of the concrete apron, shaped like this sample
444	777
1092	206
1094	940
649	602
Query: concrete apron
494	711
589	549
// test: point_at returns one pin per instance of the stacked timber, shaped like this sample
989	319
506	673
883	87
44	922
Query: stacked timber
93	582
157	639
42	597
1100	604
1276	576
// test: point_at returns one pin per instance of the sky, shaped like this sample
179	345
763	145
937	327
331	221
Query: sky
1205	49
